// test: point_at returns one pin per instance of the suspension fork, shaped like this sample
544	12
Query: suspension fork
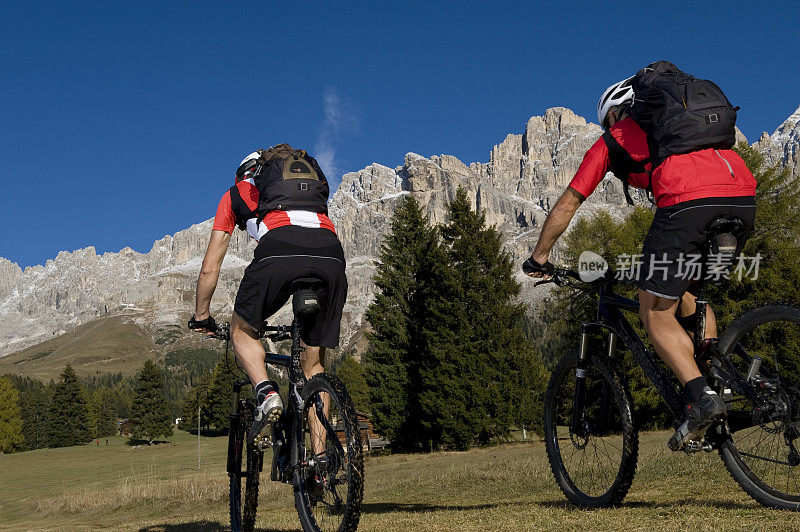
606	403
235	417
577	425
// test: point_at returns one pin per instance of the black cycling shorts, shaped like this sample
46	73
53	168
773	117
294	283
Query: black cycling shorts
678	233
284	257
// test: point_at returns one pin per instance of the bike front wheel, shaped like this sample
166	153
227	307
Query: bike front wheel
243	502
761	448
329	477
593	460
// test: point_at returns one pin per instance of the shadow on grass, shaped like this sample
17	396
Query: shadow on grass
204	526
131	442
699	501
388	507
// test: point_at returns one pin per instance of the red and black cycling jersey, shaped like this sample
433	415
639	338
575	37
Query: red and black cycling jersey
226	218
705	173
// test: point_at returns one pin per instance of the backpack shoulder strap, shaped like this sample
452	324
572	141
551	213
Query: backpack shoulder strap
622	164
238	206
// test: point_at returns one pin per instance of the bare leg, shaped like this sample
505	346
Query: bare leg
311	361
248	349
672	343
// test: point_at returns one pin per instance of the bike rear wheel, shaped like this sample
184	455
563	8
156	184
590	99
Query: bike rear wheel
244	502
329	479
761	449
595	467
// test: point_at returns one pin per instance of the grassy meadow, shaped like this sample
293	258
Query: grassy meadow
507	487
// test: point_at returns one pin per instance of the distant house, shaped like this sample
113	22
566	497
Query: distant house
370	439
125	427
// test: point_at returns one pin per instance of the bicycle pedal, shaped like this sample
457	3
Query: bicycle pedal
683	441
680	438
263	442
694	446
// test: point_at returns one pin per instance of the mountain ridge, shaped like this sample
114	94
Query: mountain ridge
525	174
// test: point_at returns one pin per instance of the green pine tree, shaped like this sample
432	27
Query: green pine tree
397	319
11	436
478	370
68	416
217	404
189	405
150	412
103	413
351	373
34	403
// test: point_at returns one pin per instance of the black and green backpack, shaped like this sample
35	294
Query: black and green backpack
286	179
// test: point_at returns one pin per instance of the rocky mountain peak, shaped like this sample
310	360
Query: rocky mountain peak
783	146
525	174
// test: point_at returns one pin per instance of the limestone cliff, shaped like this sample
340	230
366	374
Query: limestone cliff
516	188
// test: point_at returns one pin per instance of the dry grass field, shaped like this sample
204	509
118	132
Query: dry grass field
507	487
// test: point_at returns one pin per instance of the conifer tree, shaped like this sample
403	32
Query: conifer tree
150	412
477	367
217	403
189	405
352	375
103	413
11	437
68	416
34	402
397	318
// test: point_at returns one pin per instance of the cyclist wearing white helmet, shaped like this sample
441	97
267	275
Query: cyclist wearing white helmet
615	98
280	198
700	185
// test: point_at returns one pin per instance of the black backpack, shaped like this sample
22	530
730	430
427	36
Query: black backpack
286	179
680	113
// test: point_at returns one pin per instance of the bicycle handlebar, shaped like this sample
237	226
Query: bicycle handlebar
560	277
275	333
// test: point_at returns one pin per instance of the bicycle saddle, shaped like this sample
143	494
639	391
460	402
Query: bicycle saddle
305	302
720	234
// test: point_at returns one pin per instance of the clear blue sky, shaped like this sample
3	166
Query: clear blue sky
124	121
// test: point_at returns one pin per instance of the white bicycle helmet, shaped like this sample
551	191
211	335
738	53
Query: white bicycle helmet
247	164
617	94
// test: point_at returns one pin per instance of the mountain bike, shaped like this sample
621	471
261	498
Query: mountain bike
590	433
326	472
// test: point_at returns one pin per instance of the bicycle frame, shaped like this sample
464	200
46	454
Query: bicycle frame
610	318
296	381
291	422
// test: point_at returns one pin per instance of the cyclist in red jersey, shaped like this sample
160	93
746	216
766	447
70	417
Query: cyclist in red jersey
294	245
690	191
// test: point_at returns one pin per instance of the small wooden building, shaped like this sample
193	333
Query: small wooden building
370	439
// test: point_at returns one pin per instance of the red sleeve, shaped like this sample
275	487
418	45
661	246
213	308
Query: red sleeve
593	169
224	219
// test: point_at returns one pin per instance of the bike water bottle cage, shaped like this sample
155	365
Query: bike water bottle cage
531	266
